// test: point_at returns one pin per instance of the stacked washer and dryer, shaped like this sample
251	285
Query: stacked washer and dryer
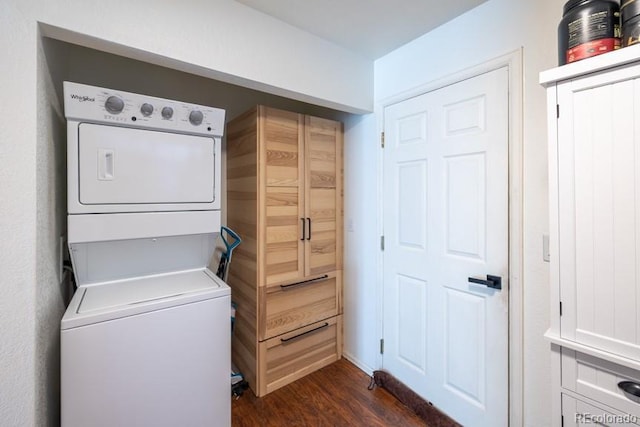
145	340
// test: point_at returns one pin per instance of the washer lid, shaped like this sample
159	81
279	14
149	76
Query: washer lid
102	252
112	300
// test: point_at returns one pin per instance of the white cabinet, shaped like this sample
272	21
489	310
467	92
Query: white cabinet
577	413
594	169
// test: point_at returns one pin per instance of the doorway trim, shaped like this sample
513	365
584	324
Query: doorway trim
513	62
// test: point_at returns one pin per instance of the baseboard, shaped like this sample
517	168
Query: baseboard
359	364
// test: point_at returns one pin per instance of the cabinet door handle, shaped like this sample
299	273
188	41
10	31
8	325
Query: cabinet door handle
285	340
305	282
303	229
631	390
309	221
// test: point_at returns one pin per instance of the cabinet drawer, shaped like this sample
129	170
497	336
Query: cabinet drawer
598	379
577	413
288	357
294	305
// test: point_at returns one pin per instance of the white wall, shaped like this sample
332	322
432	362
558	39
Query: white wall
220	39
361	241
224	40
491	30
79	64
213	38
17	218
52	289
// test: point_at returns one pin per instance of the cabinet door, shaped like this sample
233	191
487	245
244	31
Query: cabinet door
177	168
599	380
599	210
576	413
323	151
282	186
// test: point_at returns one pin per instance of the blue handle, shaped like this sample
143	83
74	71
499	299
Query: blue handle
232	246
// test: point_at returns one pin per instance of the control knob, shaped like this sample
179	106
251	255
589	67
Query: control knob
196	117
167	112
114	104
146	109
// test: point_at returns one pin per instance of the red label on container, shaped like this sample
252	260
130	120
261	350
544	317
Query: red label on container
593	48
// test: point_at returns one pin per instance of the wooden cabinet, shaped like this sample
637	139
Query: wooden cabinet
284	197
594	165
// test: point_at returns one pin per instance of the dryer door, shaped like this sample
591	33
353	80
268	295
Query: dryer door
122	166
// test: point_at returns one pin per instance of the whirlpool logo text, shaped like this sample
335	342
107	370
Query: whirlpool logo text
82	98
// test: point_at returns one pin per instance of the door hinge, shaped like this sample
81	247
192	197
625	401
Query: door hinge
382	243
560	308
557	111
382	139
381	345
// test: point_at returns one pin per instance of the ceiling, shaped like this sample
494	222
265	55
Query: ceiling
372	28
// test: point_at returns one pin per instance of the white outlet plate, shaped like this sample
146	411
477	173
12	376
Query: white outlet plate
546	255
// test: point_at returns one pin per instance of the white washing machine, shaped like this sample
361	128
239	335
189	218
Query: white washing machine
145	340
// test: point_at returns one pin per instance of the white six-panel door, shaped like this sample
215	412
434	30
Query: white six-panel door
445	220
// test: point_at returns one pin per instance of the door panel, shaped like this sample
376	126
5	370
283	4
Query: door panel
412	204
283	232
303	189
135	166
412	302
282	136
322	246
445	220
465	205
465	345
282	181
465	117
599	232
324	188
321	151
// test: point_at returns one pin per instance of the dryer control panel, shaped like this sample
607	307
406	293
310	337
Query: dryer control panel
100	105
131	153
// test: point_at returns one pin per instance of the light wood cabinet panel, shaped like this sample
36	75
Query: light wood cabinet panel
281	138
285	200
300	352
292	305
323	145
281	134
284	249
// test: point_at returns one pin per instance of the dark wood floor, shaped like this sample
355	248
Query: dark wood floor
336	395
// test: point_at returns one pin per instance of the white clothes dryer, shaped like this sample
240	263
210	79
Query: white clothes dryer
146	339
